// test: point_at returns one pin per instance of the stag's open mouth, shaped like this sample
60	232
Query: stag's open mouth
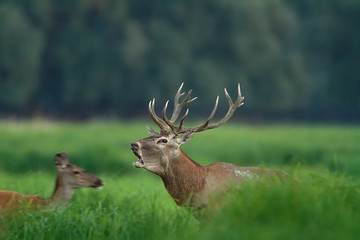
139	163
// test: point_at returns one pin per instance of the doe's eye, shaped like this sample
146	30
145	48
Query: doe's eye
76	172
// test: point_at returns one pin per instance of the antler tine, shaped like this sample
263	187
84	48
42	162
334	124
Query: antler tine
203	126
239	91
178	93
157	120
183	118
178	106
175	129
213	112
232	107
167	121
228	97
176	111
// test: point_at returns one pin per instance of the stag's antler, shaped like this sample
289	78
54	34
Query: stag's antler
165	124
157	120
232	107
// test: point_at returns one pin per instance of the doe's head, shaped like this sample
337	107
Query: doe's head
74	176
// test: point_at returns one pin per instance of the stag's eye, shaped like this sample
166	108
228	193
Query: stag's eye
76	172
163	140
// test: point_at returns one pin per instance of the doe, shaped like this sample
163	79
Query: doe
69	177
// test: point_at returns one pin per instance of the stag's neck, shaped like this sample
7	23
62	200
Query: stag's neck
62	192
183	178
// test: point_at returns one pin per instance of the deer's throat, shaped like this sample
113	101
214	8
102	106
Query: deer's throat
183	178
62	192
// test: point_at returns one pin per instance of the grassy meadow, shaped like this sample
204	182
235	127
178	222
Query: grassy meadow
323	204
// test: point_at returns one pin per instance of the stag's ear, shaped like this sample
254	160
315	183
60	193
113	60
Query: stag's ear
185	137
61	160
151	131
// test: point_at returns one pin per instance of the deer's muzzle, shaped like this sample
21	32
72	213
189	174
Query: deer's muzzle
98	184
134	147
139	163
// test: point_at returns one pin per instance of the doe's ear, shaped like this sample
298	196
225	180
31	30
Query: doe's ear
185	137
61	160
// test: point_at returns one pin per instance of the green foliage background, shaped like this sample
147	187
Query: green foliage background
76	59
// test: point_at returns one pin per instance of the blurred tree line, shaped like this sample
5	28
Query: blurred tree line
296	59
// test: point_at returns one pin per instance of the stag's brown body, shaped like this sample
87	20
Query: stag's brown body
184	179
69	177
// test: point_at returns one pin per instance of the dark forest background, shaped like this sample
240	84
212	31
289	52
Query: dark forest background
295	59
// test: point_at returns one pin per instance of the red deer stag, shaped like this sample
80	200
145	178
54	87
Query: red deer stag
185	180
69	177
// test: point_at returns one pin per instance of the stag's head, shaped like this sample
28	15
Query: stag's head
155	153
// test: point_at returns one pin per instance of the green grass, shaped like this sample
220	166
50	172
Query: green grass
133	204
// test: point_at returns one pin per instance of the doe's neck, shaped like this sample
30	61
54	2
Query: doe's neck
62	192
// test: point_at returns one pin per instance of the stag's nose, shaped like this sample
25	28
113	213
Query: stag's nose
134	147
